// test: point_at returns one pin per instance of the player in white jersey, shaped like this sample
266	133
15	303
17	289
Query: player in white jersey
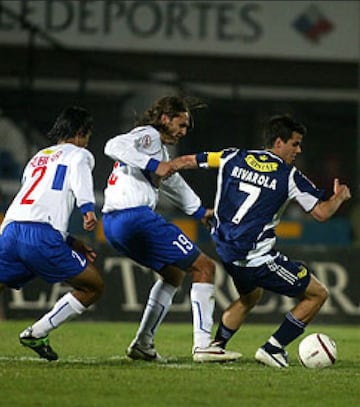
254	187
133	228
35	241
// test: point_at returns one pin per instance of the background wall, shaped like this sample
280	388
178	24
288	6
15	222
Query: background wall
246	60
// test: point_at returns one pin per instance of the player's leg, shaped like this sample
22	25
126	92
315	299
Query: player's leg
88	287
311	301
297	319
43	249
235	314
157	306
168	252
129	232
202	297
312	295
233	317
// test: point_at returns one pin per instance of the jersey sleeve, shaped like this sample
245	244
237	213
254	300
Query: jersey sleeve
180	194
212	159
304	191
135	148
81	180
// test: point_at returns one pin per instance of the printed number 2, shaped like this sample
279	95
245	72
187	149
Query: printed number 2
183	243
253	194
38	173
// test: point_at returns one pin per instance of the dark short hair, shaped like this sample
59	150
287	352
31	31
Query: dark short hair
172	106
71	121
281	126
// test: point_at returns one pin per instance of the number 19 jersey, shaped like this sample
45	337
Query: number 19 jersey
53	180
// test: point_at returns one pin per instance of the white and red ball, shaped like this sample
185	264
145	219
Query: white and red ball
317	351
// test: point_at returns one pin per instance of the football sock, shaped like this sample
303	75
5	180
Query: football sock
203	304
289	330
224	334
65	308
158	304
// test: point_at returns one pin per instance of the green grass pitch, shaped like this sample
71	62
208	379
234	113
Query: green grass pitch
93	370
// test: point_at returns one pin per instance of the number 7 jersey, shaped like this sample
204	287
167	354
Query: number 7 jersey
253	189
53	180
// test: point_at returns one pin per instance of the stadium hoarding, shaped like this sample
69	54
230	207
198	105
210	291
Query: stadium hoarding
306	30
128	284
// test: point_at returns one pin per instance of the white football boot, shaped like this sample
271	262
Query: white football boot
138	351
278	358
214	353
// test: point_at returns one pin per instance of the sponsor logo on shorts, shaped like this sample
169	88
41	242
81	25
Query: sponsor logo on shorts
303	272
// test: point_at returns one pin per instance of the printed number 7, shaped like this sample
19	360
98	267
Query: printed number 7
253	194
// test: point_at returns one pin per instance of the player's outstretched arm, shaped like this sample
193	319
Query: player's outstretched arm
326	209
184	162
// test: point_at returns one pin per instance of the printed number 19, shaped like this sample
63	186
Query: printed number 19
183	243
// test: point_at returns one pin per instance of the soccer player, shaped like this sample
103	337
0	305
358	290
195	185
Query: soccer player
34	240
254	188
133	228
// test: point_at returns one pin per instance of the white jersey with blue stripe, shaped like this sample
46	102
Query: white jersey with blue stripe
54	180
133	181
253	189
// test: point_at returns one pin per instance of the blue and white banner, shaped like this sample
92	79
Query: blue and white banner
316	30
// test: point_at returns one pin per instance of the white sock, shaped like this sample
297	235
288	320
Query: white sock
65	308
159	302
203	304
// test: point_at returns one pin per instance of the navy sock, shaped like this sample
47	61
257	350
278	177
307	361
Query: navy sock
223	335
289	330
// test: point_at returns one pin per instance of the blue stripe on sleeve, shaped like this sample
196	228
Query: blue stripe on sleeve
88	207
200	213
59	178
152	165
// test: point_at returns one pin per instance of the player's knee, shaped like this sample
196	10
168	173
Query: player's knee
323	293
94	294
96	290
203	270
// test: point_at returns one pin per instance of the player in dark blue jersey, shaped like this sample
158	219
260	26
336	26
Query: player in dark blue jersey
253	189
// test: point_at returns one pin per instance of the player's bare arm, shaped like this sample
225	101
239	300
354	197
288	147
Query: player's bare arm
184	162
325	209
165	169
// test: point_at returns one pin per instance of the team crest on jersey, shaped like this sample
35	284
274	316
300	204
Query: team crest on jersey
254	163
48	151
146	141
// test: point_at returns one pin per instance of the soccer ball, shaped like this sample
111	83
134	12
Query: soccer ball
317	351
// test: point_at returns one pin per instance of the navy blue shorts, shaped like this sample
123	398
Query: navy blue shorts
147	238
279	275
29	249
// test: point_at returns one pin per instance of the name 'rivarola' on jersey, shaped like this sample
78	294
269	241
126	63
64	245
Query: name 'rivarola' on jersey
253	179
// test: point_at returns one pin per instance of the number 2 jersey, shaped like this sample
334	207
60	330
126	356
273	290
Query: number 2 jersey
253	189
54	180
